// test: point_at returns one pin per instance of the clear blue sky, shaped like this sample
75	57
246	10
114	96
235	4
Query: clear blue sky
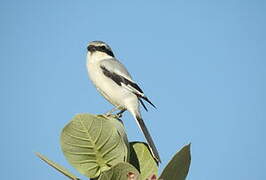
203	63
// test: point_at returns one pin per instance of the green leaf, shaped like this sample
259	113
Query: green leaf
57	167
121	171
178	167
119	126
92	144
142	159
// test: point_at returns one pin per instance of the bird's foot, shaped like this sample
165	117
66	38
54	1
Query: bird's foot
110	115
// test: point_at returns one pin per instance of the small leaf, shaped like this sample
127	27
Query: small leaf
93	144
142	159
178	167
57	167
121	171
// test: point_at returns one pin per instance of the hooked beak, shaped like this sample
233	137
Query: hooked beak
91	48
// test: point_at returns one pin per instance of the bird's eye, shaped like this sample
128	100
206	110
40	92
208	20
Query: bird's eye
103	47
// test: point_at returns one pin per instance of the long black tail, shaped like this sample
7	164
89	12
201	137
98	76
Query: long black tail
149	139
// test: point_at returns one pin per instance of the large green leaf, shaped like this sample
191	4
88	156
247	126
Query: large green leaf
121	171
92	144
57	167
142	159
178	167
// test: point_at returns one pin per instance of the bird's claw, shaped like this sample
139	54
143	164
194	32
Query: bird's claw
117	116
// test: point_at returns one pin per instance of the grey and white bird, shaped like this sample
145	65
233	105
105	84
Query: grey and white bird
114	82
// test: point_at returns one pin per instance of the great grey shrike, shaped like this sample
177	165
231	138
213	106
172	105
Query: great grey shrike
114	82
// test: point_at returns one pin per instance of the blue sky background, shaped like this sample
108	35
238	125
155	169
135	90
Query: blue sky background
203	63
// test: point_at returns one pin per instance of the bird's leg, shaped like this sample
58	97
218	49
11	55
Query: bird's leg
119	114
112	110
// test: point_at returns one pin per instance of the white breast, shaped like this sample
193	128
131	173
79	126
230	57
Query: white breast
115	94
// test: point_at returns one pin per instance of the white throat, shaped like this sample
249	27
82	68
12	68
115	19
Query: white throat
97	56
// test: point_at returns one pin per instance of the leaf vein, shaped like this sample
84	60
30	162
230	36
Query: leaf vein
100	132
107	139
77	137
79	153
111	148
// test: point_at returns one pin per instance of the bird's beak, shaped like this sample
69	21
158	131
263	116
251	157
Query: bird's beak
91	48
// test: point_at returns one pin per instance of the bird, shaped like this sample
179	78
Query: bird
115	84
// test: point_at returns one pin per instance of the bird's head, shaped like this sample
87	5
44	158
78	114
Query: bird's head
99	48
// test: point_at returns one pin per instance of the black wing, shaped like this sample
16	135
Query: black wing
118	79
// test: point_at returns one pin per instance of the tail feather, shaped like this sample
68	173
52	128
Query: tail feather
148	138
146	99
142	103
